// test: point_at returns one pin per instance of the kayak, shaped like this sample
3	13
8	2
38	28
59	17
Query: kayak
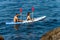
25	21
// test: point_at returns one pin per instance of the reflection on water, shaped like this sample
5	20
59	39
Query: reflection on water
16	26
22	33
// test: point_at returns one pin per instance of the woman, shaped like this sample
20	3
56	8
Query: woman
28	16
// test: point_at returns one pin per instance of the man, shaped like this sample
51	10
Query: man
16	18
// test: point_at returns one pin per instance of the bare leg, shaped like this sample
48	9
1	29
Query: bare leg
30	19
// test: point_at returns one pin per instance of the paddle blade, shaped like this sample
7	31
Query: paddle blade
20	9
32	9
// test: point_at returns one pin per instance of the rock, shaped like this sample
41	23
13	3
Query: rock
1	38
52	35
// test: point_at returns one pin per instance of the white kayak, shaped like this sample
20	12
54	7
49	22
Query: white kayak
25	21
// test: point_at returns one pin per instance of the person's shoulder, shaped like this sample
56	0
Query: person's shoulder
15	17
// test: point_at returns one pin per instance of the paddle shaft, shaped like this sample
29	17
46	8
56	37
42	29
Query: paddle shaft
21	16
21	12
32	11
32	15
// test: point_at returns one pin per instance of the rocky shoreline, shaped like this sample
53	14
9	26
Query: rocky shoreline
52	35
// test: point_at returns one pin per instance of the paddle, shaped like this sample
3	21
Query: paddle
21	11
32	11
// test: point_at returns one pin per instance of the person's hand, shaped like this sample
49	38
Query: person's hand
32	19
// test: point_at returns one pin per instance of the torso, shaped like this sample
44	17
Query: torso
15	19
28	18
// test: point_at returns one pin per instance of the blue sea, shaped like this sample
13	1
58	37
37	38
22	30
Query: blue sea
28	31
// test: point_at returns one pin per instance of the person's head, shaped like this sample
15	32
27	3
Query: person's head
28	13
1	38
17	14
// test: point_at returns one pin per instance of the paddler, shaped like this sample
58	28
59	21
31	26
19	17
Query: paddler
16	18
28	16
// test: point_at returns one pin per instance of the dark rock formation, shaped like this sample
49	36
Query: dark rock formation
52	35
1	38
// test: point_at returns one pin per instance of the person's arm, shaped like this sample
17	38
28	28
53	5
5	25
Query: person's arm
30	18
17	19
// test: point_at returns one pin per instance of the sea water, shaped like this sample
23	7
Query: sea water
30	31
